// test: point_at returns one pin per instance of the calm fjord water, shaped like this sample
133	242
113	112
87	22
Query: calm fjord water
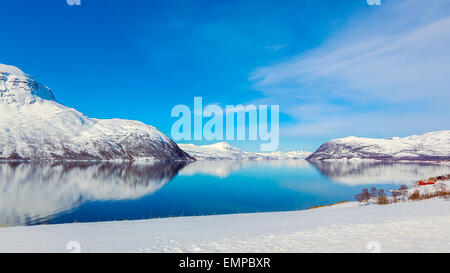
80	192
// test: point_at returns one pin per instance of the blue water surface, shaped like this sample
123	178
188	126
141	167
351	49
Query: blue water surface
72	192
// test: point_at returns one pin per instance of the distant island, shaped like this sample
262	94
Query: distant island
224	151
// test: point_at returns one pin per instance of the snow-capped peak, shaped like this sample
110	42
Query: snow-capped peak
12	70
222	146
33	126
16	87
429	146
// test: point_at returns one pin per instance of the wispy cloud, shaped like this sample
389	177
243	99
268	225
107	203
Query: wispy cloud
383	68
276	47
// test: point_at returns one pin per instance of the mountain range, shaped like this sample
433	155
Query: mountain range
35	127
432	146
223	150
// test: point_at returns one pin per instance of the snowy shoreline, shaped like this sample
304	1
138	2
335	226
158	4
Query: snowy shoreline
422	226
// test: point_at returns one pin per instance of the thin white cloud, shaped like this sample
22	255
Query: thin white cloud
395	60
373	124
276	47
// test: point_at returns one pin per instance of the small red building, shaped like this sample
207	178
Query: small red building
421	183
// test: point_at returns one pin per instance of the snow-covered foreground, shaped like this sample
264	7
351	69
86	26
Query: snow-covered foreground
422	226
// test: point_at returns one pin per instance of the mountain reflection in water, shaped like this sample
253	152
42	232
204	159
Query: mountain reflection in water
378	172
36	193
32	192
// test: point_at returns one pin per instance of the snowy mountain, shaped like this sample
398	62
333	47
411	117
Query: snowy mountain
287	155
433	146
33	126
223	150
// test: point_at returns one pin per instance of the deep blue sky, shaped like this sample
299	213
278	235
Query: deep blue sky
137	59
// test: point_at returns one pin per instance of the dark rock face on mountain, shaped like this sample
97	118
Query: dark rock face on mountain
33	126
433	146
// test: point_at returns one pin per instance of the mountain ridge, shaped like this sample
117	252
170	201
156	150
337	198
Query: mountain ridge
223	150
34	126
431	146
